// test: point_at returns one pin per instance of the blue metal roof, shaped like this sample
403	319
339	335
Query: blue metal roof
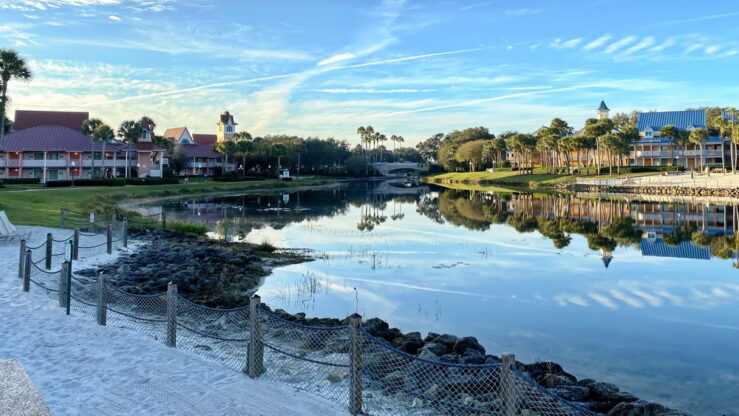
603	106
684	250
680	119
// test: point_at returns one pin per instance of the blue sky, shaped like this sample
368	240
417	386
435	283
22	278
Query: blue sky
409	67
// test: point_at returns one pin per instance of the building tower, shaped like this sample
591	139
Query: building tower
226	126
606	256
602	111
146	130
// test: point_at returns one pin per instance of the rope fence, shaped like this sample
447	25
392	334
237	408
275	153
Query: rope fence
345	363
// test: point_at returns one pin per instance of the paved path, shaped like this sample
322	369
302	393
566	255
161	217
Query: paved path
81	368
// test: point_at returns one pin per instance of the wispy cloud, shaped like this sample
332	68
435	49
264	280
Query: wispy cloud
568	44
336	58
597	43
29	5
619	44
643	44
369	91
696	19
712	49
116	18
411	58
522	12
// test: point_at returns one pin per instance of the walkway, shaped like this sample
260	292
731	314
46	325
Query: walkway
81	368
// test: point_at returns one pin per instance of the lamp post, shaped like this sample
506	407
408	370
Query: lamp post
138	166
73	164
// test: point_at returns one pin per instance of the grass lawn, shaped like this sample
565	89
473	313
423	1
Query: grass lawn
37	205
514	178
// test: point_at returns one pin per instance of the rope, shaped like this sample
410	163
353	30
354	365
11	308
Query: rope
90	234
212	336
99	245
208	308
44	271
63	241
303	358
44	287
134	316
82	301
37	247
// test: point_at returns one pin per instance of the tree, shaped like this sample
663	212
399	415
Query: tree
470	153
698	136
429	148
243	148
678	139
225	148
179	161
278	150
623	120
597	129
88	127
12	66
129	132
396	139
102	134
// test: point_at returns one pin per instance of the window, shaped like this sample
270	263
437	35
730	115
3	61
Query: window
144	133
53	156
647	133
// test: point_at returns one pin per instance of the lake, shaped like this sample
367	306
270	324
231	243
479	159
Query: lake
642	294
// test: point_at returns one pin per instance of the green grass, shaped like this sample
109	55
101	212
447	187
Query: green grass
40	206
516	179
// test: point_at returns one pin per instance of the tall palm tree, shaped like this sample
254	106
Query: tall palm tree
88	127
12	66
103	134
244	148
698	136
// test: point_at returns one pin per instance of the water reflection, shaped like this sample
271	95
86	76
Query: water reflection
638	293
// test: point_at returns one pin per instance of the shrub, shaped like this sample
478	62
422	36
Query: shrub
187	228
265	246
21	181
85	182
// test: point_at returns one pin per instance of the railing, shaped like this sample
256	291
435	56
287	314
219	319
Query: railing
344	363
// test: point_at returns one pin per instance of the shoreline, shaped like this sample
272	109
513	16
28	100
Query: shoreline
604	398
662	190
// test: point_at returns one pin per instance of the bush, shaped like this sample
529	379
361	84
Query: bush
642	169
85	182
187	228
21	181
232	178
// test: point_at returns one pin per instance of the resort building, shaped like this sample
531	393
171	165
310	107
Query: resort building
654	150
49	145
203	160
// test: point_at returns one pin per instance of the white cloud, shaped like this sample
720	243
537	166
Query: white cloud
116	18
619	44
29	5
568	44
369	91
645	43
664	45
336	58
710	50
522	12
597	43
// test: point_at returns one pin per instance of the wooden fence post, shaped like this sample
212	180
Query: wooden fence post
76	244
355	365
255	354
21	259
109	236
164	219
125	232
172	315
27	271
63	285
102	306
49	249
508	384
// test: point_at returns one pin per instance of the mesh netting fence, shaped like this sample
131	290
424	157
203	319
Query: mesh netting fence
345	364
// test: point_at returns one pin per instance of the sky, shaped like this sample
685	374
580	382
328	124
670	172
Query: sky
406	67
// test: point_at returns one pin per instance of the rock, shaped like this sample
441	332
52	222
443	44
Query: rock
571	393
492	359
624	396
447	340
396	378
556	380
450	358
435	348
465	343
86	272
430	337
638	408
584	382
427	355
539	370
603	392
411	342
472	357
336	376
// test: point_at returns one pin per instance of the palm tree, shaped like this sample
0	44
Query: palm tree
88	127
244	148
671	132
225	148
396	139
698	136
12	66
278	150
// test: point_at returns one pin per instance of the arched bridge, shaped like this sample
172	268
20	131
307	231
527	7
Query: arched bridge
397	168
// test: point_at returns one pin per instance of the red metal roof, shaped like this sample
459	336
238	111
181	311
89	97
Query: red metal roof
25	119
226	117
199	150
62	139
205	139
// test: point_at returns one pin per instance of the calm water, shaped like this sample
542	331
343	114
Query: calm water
523	273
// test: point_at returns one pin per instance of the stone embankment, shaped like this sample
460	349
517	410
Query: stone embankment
651	190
